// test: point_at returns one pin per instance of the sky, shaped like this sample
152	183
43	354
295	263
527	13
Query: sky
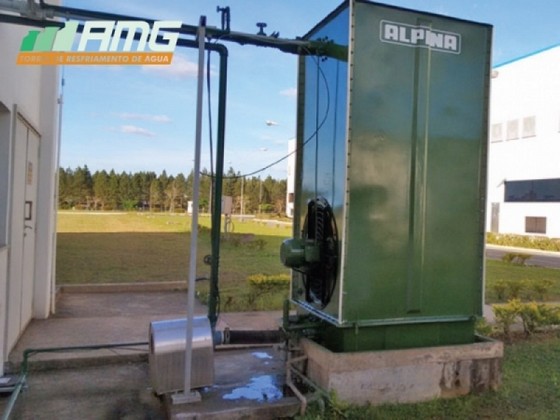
142	118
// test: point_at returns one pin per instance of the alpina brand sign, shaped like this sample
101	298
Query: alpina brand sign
101	43
420	37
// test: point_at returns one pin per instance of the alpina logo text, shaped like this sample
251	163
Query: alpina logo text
420	37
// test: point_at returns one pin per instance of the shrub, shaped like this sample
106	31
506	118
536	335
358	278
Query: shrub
506	314
541	287
500	288
482	327
515	258
264	289
523	241
267	283
534	289
533	315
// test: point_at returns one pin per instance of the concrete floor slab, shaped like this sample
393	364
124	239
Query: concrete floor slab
123	317
115	383
248	384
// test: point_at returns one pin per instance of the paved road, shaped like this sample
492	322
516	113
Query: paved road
540	258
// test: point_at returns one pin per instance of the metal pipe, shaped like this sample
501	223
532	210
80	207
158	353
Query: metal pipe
291	384
215	234
293	46
248	337
196	194
27	353
13	398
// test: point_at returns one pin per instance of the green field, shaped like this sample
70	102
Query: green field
149	247
135	247
104	247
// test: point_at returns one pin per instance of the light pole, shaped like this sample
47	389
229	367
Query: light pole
260	194
242	210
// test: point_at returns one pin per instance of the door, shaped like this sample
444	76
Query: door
23	225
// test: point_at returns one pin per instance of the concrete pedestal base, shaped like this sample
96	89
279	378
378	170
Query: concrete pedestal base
405	376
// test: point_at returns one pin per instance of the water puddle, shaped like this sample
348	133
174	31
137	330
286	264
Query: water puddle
261	388
261	355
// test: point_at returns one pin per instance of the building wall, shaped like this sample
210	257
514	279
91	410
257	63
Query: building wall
524	139
28	108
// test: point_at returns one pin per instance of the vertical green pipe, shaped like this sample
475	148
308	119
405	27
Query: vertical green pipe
217	208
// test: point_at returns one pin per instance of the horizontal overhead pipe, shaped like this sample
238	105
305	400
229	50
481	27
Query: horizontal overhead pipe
293	46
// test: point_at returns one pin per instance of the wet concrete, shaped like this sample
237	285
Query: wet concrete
249	384
115	383
116	391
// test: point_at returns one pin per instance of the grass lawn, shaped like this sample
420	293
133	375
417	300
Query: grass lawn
146	247
97	247
133	247
497	271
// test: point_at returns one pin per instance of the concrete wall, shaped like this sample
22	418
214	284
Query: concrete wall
30	92
405	376
522	89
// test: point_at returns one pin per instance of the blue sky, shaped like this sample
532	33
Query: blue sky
134	118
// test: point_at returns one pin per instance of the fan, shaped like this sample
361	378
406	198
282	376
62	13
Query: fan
315	255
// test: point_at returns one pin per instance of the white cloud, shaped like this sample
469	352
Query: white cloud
163	119
133	129
180	68
290	92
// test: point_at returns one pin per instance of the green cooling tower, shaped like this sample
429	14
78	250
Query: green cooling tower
388	240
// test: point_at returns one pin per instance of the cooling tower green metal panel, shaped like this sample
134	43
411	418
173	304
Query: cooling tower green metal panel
392	132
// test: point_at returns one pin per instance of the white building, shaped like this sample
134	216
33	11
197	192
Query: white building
28	174
524	146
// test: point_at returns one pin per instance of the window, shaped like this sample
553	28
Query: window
512	130
535	224
536	190
290	197
529	127
497	133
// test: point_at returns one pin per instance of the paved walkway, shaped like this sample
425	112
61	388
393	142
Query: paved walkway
101	318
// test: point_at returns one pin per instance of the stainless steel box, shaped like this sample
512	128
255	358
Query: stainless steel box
167	354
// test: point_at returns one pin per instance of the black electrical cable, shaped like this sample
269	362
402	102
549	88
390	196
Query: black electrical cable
311	136
316	177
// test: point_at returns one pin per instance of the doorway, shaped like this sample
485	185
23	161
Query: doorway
23	227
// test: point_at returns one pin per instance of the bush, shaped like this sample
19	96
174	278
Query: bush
267	283
500	288
515	258
534	289
265	289
506	315
541	288
533	315
523	241
482	327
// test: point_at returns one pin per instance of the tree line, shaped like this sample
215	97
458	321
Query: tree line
80	189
